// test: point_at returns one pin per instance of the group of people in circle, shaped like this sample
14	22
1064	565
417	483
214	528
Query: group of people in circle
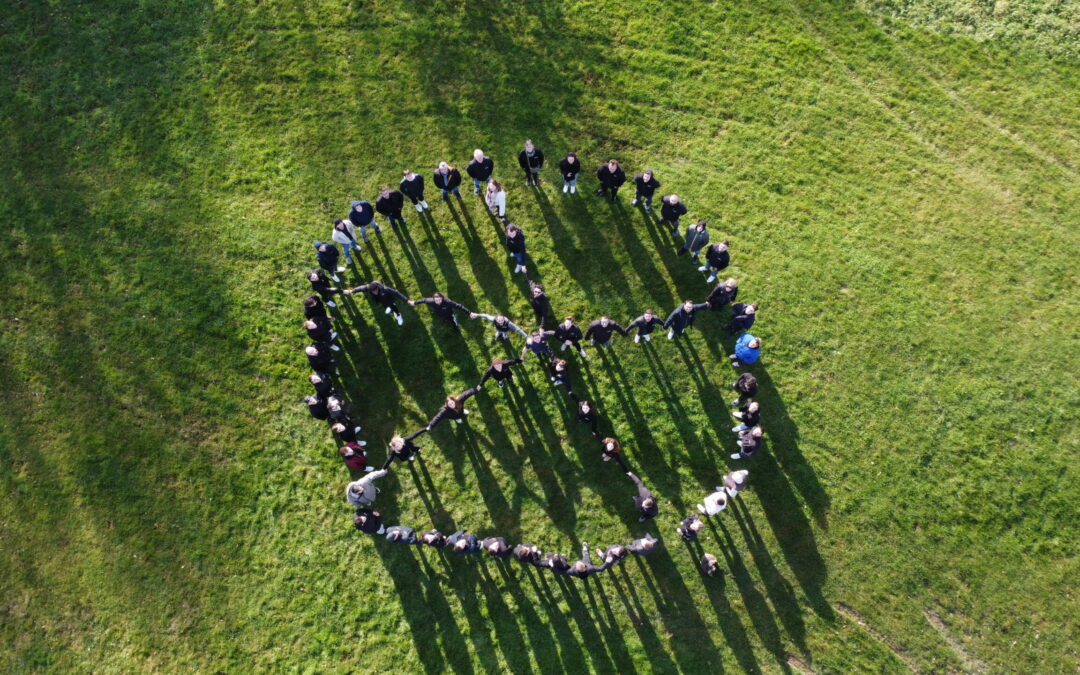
327	403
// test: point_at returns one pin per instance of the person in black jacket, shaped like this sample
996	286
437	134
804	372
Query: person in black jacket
716	259
749	415
537	344
645	501
321	285
338	409
412	186
644	325
346	431
569	335
723	294
499	370
443	307
460	542
447	179
613	554
531	159
556	562
611	450
368	521
496	547
644	545
313	307
321	381
433	538
690	527
600	331
319	330
750	441
453	409
586	414
583	568
569	167
671	210
327	254
384	295
527	555
560	375
319	357
746	386
611	178
742	318
479	169
402	448
402	534
681	318
389	203
515	244
539	301
503	326
317	407
646	185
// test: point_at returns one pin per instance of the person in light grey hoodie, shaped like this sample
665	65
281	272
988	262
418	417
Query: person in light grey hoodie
361	493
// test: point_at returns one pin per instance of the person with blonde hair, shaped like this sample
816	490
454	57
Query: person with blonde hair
496	199
402	448
479	169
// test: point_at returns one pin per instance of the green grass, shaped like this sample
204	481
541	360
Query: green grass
902	203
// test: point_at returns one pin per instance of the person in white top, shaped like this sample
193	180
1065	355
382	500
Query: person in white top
714	503
496	199
345	234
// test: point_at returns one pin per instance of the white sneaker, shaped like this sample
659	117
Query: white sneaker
563	348
523	270
419	209
736	455
517	268
637	339
459	420
362	444
565	188
400	320
335	348
357	430
336	278
648	338
712	278
703	268
368	468
333	335
573	189
387	311
424	204
331	303
633	202
583	354
737	415
671	334
342	269
737	429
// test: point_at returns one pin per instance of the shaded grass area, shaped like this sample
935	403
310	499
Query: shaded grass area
899	205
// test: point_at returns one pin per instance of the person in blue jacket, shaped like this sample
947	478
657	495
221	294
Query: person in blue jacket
362	215
747	350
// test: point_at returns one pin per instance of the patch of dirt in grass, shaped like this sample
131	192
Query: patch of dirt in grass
859	619
971	664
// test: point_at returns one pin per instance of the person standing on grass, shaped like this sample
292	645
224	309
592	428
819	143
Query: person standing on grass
317	407
716	259
314	308
402	448
537	344
453	409
361	493
402	534
346	430
460	542
515	244
479	169
723	294
690	527
671	210
750	441
531	160
389	203
345	234
569	335
368	521
681	318
749	415
321	285
443	308
556	562
645	187
447	179
586	414
384	295
319	330
645	501
747	350
600	332
643	546
569	167
611	178
584	568
527	555
716	502
697	236
611	450
412	186
503	326
735	482
321	381
319	358
539	301
354	456
496	200
746	386
560	375
433	538
742	318
339	411
496	547
499	370
327	255
362	215
645	324
613	554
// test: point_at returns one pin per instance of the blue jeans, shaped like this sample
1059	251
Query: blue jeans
397	219
570	183
647	200
476	184
520	258
348	250
695	252
363	230
446	193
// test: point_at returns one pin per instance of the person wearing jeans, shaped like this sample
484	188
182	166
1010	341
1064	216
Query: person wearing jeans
646	185
389	204
697	237
345	235
447	179
479	169
515	244
362	216
569	167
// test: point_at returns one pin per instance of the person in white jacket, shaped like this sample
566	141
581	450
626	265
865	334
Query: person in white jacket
345	234
361	493
714	503
496	199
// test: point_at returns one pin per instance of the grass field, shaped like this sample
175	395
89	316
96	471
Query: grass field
903	204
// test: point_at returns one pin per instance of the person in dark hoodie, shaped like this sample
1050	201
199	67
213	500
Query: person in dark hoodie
671	210
402	534
723	294
499	370
690	527
465	544
389	203
327	254
569	167
645	187
453	409
750	441
569	335
682	317
319	358
697	237
384	295
320	329
539	301
537	344
559	371
362	215
412	186
515	244
717	259
613	554
611	450
496	547
503	326
584	568
528	555
600	331
742	318
443	307
368	521
433	538
402	448
586	414
611	178
314	308
321	285
447	179
645	324
479	169
317	407
556	562
746	386
644	501
531	160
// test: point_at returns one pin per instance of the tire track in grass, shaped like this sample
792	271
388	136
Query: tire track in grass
970	663
855	617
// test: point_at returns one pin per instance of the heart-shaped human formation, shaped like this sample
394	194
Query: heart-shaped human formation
328	404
